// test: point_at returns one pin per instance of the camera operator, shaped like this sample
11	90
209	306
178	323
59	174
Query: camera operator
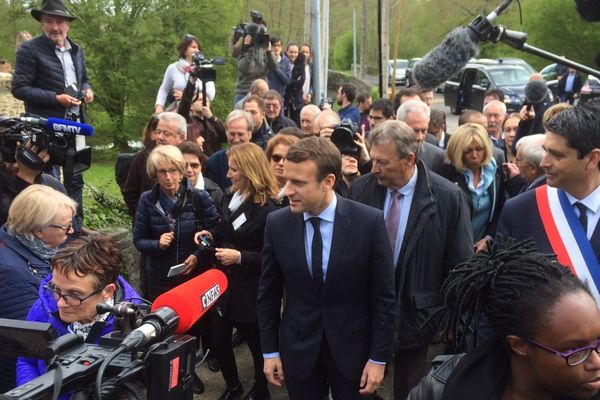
15	177
84	273
254	58
204	128
51	78
39	222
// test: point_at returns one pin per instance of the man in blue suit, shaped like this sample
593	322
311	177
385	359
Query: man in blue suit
572	166
333	259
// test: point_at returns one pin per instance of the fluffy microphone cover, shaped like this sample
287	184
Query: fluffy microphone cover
536	91
588	9
446	59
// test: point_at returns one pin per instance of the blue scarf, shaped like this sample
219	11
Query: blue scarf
37	247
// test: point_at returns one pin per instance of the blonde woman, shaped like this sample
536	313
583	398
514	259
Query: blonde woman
473	168
239	242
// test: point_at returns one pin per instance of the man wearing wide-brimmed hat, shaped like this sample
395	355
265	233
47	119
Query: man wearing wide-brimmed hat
50	77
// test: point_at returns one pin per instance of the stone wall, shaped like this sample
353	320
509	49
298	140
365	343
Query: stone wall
131	257
9	106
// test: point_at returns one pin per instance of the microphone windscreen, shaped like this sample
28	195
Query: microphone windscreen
446	59
193	298
67	126
589	10
536	91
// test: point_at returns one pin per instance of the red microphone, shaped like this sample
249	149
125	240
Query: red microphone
193	298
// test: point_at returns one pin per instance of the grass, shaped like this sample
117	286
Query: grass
101	176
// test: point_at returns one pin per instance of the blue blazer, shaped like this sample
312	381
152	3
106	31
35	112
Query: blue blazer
355	310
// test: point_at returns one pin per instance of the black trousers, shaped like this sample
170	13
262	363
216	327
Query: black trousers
221	341
409	368
325	374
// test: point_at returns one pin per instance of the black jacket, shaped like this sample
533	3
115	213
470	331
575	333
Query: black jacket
438	237
248	240
39	76
449	172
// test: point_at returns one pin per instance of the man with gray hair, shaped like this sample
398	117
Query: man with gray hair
495	112
526	169
238	126
428	224
415	114
258	88
308	114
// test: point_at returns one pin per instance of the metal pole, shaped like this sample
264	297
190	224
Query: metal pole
307	21
316	45
380	45
325	48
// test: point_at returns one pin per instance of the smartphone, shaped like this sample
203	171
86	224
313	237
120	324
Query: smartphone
175	270
73	91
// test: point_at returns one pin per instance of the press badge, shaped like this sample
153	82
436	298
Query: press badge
239	221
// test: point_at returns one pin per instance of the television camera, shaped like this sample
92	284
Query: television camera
147	356
256	29
56	135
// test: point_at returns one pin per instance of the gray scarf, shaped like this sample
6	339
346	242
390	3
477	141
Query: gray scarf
37	247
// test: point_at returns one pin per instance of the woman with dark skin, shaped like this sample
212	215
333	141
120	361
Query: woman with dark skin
546	323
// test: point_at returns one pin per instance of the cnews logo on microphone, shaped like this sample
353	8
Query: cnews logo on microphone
210	296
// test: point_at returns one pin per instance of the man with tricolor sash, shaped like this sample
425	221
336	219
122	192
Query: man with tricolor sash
562	216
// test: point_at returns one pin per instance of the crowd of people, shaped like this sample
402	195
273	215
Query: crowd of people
351	239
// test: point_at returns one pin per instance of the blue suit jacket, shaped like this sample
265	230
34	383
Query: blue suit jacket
521	220
355	311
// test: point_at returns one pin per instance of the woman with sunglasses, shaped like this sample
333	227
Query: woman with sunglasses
177	74
84	273
546	323
39	222
277	149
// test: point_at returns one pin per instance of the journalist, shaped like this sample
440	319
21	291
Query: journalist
84	273
51	78
39	221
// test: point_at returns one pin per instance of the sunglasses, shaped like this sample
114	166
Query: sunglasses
277	158
194	165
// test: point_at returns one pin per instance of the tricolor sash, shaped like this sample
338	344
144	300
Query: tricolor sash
567	237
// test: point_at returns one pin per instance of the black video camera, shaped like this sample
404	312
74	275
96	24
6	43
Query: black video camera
55	135
205	67
163	370
207	245
256	29
344	135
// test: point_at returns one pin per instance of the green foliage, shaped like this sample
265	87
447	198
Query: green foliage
342	52
103	211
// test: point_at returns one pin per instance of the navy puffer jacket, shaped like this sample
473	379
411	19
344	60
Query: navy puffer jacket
151	222
39	76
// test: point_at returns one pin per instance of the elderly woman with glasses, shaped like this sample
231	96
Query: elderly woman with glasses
167	218
178	73
84	273
39	221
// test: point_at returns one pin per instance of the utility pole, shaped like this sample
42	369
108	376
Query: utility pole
307	20
385	43
316	45
354	42
363	38
324	82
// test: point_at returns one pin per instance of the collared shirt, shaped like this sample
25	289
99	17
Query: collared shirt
64	55
592	203
327	219
407	192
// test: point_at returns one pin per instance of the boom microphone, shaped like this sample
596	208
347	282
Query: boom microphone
589	10
456	50
178	309
60	125
446	59
536	91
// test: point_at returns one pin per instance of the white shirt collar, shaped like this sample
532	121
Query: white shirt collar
591	201
328	214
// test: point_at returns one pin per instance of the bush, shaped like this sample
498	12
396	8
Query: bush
103	212
343	52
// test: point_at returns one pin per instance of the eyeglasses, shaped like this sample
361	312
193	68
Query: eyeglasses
65	228
170	171
187	36
194	165
69	299
166	134
573	357
277	158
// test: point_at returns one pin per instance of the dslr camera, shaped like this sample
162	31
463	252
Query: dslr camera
205	67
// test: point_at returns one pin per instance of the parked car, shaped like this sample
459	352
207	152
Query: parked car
590	89
549	72
465	90
517	61
409	78
401	65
